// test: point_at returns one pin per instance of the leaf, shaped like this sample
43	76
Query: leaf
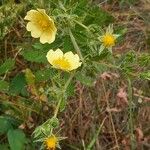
30	78
4	86
44	75
4	147
145	75
7	66
67	44
98	16
18	85
84	79
16	139
5	125
38	56
70	91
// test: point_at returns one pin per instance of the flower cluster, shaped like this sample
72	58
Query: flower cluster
42	26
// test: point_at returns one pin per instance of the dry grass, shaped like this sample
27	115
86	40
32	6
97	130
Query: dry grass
87	110
91	106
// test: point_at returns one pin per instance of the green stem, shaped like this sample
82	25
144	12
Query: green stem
64	90
96	135
130	114
76	46
81	24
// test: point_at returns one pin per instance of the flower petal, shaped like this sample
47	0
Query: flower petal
35	30
74	60
53	55
48	36
32	15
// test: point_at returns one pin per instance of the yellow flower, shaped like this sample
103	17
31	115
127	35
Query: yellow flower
108	39
66	62
41	25
51	142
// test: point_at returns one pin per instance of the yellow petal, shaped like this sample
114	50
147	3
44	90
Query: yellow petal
74	60
32	15
53	55
48	36
41	25
35	30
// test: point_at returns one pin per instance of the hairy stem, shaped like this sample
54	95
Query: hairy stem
76	45
64	90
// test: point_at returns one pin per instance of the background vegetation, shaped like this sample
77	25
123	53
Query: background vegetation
106	104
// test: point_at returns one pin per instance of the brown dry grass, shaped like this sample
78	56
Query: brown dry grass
86	111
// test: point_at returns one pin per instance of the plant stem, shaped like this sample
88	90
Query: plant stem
64	90
96	135
81	24
111	117
76	46
130	114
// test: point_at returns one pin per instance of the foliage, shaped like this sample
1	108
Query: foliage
33	98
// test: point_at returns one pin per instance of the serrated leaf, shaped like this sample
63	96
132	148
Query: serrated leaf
44	75
5	125
38	56
100	68
16	139
7	66
18	85
4	86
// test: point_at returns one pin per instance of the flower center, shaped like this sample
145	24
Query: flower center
62	63
43	24
51	142
108	40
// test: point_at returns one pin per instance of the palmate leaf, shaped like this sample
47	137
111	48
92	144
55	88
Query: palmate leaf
16	139
37	56
7	66
18	85
5	125
45	74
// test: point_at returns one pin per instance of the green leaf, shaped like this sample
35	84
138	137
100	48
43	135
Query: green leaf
84	79
18	85
16	139
44	75
54	122
5	125
98	16
145	75
4	147
4	86
30	78
67	44
70	91
37	55
7	66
